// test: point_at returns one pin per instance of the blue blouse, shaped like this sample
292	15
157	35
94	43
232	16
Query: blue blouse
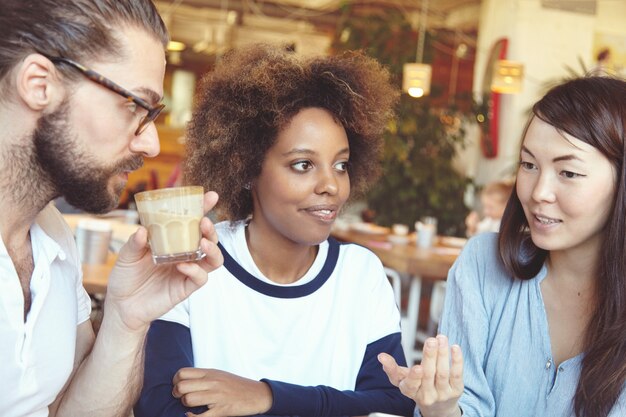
500	322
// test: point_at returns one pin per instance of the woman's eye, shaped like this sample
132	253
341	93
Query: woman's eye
570	174
302	166
342	166
527	165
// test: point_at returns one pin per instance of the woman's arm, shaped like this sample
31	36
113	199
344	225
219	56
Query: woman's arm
373	392
465	320
168	350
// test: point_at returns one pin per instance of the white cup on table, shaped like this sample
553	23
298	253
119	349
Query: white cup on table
400	229
93	238
426	229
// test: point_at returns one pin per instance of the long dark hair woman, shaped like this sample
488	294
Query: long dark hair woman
539	310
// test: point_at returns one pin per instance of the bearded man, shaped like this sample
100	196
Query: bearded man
81	84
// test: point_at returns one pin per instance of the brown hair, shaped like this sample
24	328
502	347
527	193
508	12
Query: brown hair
256	91
499	189
77	29
593	110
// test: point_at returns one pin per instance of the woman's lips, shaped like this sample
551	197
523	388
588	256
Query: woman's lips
544	223
327	214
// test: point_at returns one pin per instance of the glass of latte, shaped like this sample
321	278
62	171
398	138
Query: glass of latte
172	217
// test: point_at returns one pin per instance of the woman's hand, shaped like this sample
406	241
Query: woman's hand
140	291
435	385
225	394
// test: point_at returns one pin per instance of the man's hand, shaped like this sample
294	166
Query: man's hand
140	291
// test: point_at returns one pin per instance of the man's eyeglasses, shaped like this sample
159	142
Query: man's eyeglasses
153	112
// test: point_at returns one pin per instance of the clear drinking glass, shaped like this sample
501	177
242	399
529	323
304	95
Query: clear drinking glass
172	217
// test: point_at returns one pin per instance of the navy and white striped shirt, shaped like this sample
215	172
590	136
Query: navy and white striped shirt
315	342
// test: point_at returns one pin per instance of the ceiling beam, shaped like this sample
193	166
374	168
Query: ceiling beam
323	21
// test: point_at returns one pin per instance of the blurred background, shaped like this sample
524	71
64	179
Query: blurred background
469	70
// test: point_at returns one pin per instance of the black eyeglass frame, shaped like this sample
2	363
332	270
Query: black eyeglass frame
153	112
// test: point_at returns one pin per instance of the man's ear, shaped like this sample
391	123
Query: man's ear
38	82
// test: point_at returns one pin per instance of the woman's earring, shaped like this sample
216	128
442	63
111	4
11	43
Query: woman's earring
247	186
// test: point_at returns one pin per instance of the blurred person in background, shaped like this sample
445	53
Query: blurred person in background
493	198
537	313
81	83
293	322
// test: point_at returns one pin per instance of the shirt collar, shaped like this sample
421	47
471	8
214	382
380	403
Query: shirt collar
45	245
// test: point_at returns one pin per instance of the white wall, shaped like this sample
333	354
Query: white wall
545	40
611	16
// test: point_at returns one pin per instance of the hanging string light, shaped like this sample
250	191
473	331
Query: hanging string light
416	76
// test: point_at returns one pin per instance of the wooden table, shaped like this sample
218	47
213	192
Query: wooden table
432	264
429	264
96	276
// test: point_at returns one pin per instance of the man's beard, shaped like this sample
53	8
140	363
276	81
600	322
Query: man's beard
74	174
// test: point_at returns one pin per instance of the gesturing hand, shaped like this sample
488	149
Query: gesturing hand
140	291
225	394
434	385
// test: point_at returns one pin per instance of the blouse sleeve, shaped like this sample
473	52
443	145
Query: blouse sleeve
465	321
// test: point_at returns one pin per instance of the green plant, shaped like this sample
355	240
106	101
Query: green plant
418	178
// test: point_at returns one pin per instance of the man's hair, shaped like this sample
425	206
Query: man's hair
81	30
256	91
593	110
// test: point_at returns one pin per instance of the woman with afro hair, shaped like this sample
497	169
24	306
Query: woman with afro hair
292	324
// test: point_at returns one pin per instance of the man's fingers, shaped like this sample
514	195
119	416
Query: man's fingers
136	246
214	257
208	244
208	230
195	277
210	200
196	274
